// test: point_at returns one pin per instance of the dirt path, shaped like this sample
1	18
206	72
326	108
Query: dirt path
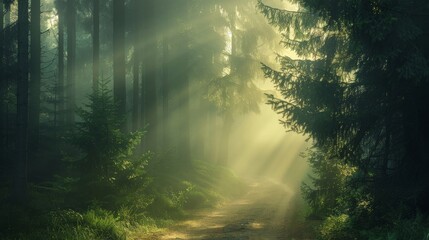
262	213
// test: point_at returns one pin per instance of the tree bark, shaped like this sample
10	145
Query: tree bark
165	90
60	88
20	175
165	76
1	37
119	91
35	76
95	44
149	57
2	92
185	144
71	60
136	66
224	140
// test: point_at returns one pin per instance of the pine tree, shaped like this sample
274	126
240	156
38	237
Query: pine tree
108	164
360	74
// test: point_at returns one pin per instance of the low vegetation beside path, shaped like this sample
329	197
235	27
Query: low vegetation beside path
164	198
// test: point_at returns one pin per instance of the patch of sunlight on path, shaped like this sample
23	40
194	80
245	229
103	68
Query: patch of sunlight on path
262	213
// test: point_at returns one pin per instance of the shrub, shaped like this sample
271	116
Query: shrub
337	228
104	224
109	172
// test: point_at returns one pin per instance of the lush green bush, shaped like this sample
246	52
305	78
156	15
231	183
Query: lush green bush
337	228
109	172
326	191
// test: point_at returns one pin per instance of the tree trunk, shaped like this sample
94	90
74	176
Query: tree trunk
20	175
185	143
60	89
165	80
95	44
71	60
227	118
136	66
1	38
165	91
119	91
149	74
224	140
3	88
35	76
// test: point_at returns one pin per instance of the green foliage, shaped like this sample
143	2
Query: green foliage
326	190
109	172
178	189
337	228
190	197
358	88
229	94
104	224
125	211
100	137
94	224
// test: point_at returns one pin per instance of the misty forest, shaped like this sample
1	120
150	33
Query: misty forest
214	119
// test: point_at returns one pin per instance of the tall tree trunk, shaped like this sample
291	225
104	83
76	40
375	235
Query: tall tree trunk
165	90
185	144
119	91
149	73
60	88
136	66
35	76
136	91
1	37
227	115
20	175
165	77
71	60
225	139
95	44
3	88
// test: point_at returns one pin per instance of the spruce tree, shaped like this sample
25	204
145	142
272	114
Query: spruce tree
357	91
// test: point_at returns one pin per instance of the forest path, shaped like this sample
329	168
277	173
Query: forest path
264	212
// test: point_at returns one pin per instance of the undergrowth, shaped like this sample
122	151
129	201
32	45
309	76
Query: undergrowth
171	196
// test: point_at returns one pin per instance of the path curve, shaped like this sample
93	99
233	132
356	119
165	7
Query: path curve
262	213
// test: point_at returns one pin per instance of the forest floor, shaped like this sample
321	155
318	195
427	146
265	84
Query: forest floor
267	211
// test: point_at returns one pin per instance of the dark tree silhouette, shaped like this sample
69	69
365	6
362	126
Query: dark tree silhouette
119	90
35	76
358	89
71	61
95	43
20	175
149	76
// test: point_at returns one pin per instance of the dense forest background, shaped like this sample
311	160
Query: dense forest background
120	116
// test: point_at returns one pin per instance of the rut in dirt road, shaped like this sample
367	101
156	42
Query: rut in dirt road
262	213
